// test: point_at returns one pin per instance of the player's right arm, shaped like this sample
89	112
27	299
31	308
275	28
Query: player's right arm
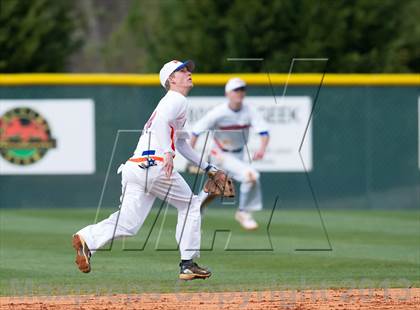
160	125
162	130
168	164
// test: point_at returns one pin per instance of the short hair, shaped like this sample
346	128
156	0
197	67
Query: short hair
167	84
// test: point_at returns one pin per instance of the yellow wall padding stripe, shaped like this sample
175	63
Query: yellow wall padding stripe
210	79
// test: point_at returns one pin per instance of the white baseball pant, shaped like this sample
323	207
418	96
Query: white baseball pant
137	200
250	190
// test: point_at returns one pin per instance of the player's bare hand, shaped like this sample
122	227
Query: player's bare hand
168	165
259	155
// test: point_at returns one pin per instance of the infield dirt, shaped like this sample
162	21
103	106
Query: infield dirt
403	299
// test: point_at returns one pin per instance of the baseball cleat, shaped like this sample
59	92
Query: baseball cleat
192	271
82	253
246	220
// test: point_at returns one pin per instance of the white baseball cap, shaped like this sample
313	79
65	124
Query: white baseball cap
174	65
234	83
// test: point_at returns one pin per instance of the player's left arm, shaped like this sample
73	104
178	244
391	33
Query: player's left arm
265	138
185	149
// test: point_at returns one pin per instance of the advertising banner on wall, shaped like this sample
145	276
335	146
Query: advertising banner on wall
288	121
47	136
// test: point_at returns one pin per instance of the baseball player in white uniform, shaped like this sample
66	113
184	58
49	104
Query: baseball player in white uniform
230	123
149	174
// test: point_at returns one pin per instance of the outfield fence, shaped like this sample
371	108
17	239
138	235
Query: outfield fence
358	137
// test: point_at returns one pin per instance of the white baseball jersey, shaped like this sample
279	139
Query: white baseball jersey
164	131
164	125
231	128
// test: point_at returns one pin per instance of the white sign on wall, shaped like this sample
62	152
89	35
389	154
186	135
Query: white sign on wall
287	118
47	136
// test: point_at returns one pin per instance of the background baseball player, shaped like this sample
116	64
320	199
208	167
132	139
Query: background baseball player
149	174
230	123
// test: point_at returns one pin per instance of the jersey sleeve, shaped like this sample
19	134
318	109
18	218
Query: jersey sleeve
163	131
207	122
257	121
188	152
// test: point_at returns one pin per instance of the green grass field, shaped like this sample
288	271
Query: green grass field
369	249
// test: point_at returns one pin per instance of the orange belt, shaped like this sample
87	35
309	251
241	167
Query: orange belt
143	159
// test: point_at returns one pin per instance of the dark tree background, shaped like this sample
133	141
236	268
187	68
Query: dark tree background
37	36
364	36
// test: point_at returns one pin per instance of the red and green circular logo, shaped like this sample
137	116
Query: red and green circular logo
25	136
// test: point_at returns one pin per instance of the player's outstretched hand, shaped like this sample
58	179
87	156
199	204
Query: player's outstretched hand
168	165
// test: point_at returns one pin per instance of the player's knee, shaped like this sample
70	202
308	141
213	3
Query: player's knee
131	229
195	206
125	224
251	176
192	209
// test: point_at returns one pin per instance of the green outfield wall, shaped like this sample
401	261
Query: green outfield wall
365	144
